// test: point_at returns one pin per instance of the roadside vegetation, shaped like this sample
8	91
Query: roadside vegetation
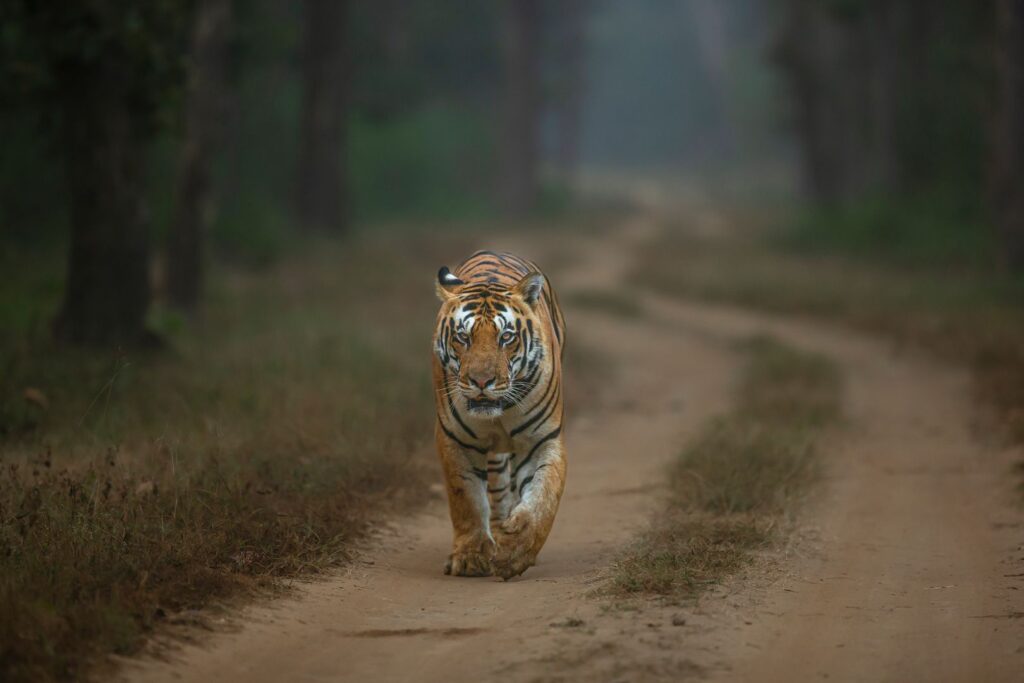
137	486
910	286
739	477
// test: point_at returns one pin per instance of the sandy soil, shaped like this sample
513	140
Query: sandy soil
907	565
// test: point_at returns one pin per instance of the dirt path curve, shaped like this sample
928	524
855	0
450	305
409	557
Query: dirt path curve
908	573
918	570
396	617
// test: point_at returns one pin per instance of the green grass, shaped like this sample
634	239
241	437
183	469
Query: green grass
931	231
738	478
133	486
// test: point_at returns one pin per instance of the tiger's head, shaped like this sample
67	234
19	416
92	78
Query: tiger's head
489	340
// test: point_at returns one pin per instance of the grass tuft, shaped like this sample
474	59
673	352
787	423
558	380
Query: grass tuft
738	477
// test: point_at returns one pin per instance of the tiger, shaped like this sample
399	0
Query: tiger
497	372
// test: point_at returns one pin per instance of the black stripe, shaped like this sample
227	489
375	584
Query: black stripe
551	383
554	403
536	417
548	437
526	482
523	265
452	409
481	451
529	379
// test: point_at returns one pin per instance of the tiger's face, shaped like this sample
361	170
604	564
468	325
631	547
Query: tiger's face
489	341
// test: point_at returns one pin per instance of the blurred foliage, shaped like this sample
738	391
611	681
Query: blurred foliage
892	106
935	301
425	76
407	53
46	47
434	163
49	54
924	231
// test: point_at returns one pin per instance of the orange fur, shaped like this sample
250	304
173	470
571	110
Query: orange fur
497	377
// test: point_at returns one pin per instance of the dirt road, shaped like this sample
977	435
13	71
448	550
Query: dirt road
907	564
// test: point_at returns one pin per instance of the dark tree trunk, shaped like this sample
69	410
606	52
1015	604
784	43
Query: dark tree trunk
204	111
919	82
711	20
570	110
886	36
1008	157
799	53
321	197
521	139
107	290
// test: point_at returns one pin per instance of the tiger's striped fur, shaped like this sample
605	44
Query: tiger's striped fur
498	350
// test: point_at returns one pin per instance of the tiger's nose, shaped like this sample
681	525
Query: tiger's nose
482	381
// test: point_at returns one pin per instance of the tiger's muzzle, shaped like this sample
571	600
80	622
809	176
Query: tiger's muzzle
485	400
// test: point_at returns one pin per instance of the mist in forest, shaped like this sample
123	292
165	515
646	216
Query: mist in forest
221	224
181	135
680	84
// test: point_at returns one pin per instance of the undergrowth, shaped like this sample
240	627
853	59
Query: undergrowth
135	486
961	313
732	485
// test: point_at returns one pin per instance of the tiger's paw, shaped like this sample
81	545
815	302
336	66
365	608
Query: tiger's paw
473	558
516	540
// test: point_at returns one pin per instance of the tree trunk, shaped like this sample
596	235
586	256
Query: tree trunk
204	110
1008	157
570	112
711	21
521	139
917	100
107	290
800	52
886	30
321	196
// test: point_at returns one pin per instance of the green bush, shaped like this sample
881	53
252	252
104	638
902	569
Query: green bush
433	163
936	230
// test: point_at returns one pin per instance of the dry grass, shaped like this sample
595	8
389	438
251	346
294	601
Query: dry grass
135	486
737	479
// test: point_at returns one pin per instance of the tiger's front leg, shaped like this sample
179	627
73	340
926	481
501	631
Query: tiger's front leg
472	546
539	480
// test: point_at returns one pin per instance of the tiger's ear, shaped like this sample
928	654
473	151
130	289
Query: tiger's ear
446	284
530	287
